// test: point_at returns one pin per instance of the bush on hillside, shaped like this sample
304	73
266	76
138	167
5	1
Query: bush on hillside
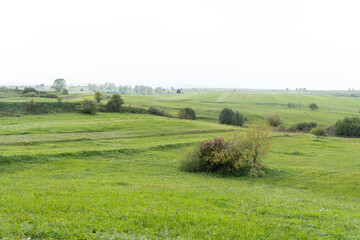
187	113
239	119
99	96
348	127
115	103
318	131
229	117
88	106
159	112
233	155
273	120
226	116
313	106
30	106
294	105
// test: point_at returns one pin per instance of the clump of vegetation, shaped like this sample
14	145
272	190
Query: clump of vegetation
294	105
318	131
115	103
187	113
313	107
348	127
29	94
234	155
159	112
229	117
274	120
30	106
88	106
48	95
302	127
99	96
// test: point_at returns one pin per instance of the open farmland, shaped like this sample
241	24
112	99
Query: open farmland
116	176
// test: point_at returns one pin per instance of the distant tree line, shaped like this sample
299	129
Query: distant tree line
137	90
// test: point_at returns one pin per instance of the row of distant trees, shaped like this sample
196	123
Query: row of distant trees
127	89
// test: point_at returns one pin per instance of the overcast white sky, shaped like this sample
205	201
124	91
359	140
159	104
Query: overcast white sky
195	43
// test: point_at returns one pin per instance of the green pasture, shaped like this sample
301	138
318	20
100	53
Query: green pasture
116	176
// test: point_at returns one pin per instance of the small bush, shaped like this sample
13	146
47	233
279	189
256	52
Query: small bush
318	131
294	105
115	103
273	120
226	116
330	130
99	96
187	113
233	155
88	106
229	117
30	106
159	112
313	106
348	127
239	119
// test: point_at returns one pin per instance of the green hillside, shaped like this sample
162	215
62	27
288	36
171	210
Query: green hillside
116	175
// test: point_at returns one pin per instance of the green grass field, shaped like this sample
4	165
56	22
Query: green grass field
116	176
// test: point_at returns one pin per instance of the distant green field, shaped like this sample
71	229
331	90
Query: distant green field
116	176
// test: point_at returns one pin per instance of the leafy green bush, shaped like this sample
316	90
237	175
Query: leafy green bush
159	112
88	106
226	116
229	117
239	119
187	113
234	155
273	120
348	127
115	103
98	96
30	106
294	105
318	131
313	106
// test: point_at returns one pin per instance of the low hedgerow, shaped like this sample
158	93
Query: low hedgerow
159	112
48	95
236	155
318	131
302	127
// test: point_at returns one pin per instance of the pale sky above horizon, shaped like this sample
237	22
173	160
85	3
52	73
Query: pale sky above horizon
189	43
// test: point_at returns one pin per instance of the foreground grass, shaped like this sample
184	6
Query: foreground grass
115	176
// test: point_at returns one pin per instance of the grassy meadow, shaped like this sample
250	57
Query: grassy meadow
116	175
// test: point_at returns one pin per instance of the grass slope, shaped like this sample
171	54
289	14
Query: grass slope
115	176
